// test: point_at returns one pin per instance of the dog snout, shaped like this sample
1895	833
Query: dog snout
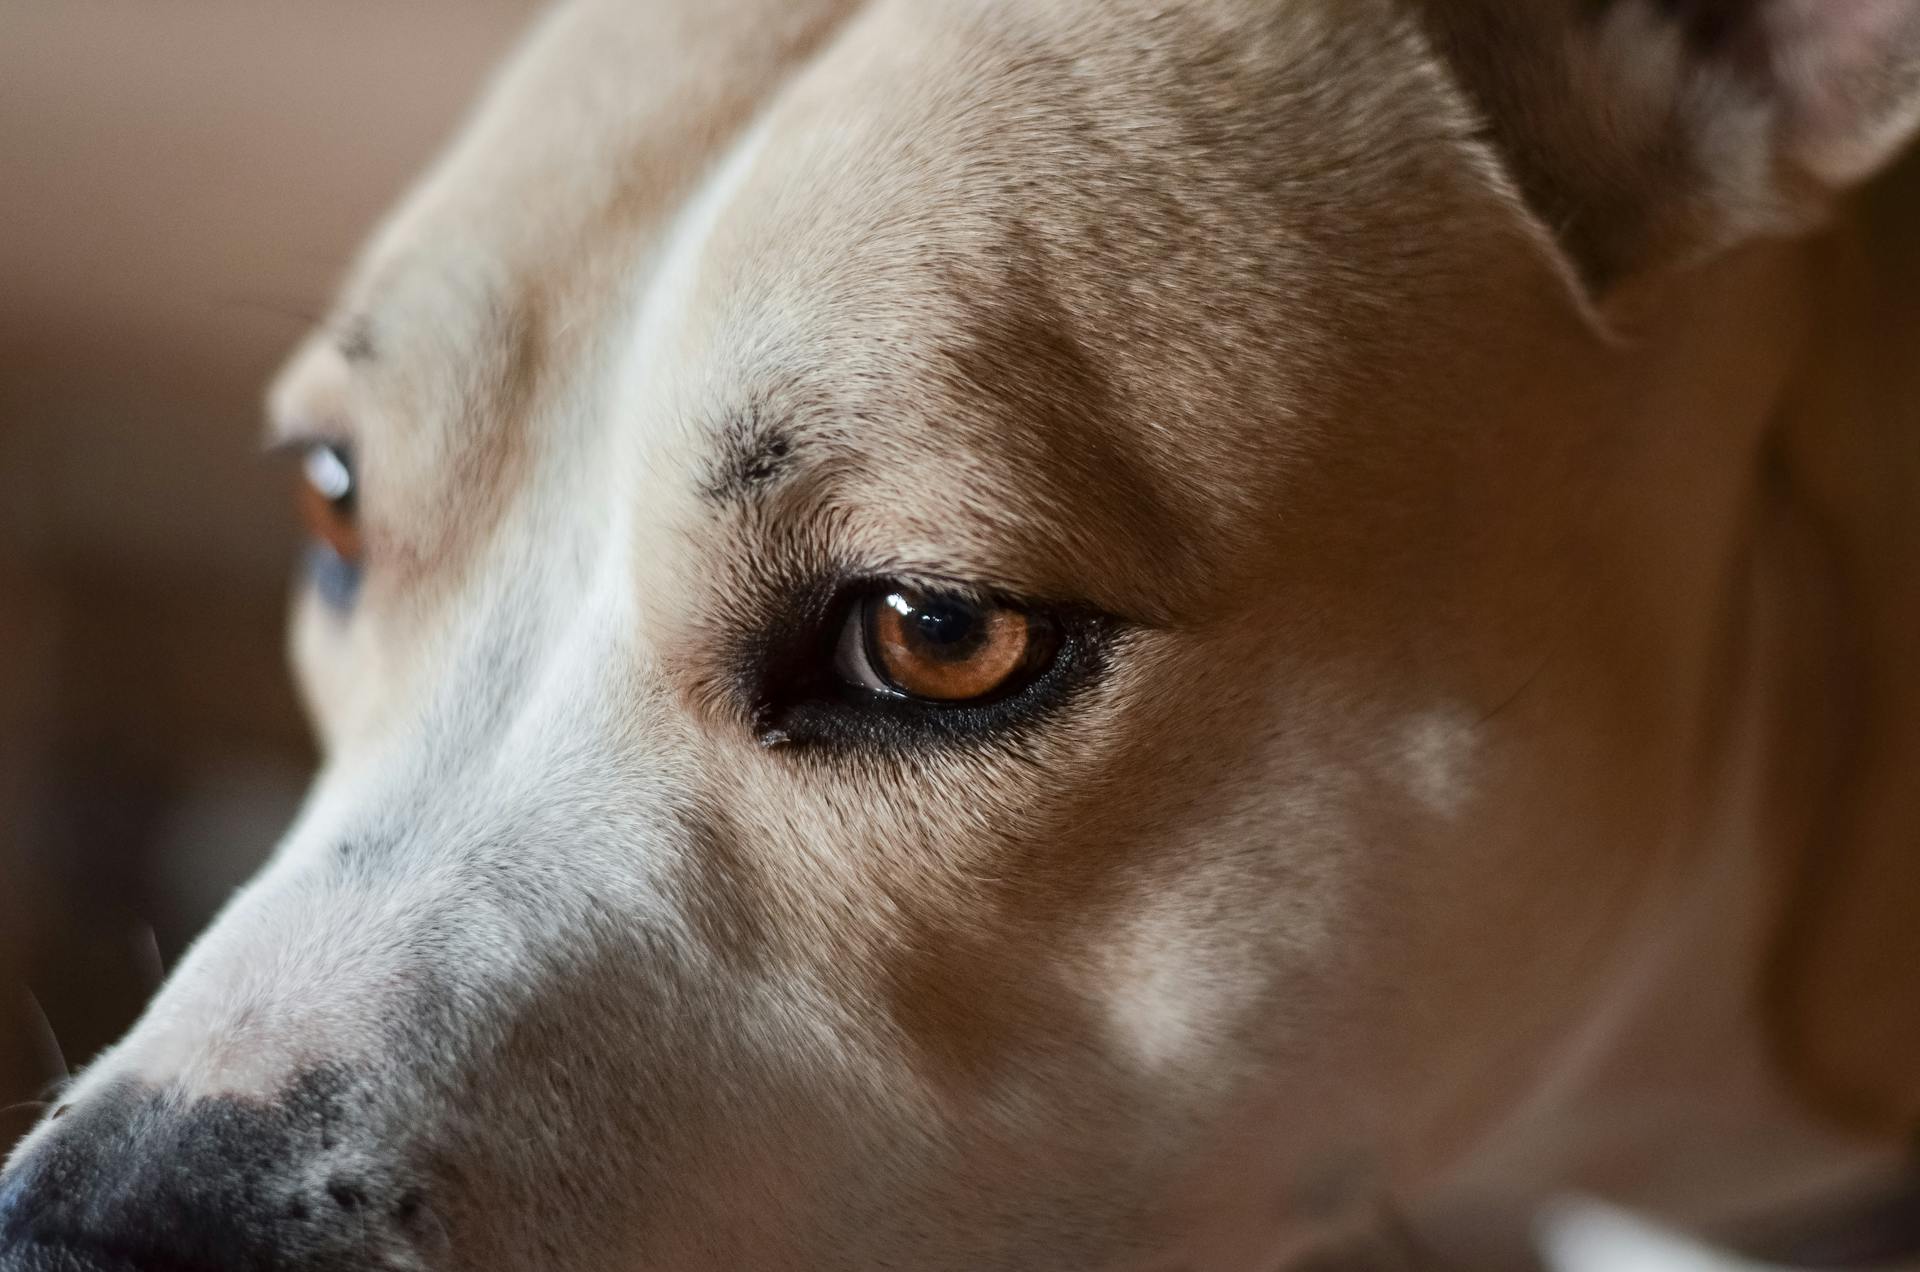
136	1179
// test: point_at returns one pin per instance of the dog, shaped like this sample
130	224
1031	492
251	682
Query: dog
1100	635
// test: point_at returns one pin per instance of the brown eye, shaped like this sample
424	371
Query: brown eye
327	500
942	648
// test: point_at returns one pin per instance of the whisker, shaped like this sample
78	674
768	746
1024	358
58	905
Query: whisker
146	948
51	1055
35	1106
1516	695
296	314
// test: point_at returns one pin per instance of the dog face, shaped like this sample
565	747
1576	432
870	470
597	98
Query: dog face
996	637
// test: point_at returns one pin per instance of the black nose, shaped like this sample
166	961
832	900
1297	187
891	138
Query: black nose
134	1180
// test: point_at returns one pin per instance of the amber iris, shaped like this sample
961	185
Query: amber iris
327	497
950	649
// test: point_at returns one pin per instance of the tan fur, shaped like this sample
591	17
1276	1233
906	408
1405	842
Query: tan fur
1444	437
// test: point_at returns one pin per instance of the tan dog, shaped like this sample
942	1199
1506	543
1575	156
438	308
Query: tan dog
1080	635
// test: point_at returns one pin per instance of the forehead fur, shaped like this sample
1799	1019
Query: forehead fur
1086	254
1087	259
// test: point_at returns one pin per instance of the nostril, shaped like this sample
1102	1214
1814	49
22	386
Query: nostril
346	1194
59	1113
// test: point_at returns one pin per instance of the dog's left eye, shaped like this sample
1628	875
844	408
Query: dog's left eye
941	648
891	665
328	496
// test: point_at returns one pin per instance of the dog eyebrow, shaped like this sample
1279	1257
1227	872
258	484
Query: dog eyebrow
756	451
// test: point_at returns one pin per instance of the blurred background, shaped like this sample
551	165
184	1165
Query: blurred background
181	185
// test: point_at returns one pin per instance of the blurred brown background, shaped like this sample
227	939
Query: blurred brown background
181	185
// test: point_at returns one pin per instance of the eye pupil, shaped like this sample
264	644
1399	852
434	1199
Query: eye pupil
949	629
948	648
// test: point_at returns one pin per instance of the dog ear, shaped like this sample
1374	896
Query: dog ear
1645	132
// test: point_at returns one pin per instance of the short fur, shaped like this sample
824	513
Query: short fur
1495	785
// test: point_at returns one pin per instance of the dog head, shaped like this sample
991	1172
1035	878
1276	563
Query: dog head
987	636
